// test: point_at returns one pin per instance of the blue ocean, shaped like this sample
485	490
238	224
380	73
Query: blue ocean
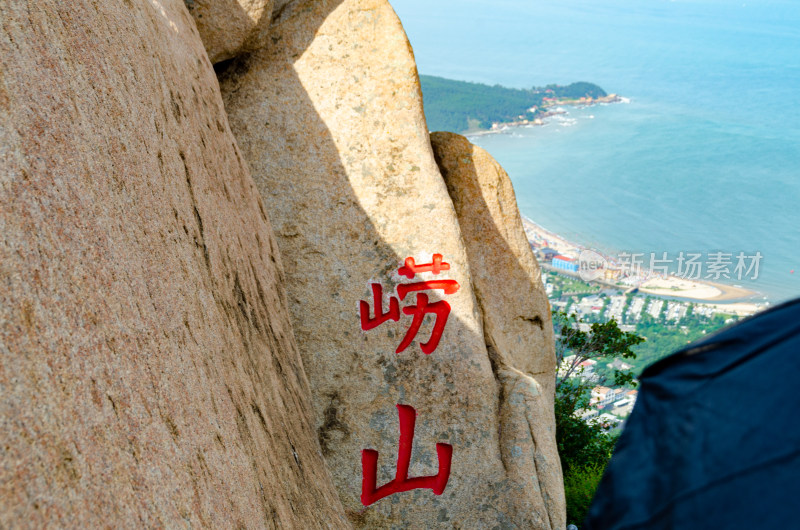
705	156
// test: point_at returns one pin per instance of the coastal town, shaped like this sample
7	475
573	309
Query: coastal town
669	311
608	406
613	274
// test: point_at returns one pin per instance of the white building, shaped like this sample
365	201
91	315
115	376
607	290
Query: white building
654	309
608	421
635	310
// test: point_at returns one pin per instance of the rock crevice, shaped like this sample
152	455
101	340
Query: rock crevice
515	315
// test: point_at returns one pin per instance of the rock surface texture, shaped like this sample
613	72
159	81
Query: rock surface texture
231	27
329	117
511	297
505	273
148	372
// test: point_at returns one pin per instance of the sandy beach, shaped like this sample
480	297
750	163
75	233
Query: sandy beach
682	288
544	238
694	289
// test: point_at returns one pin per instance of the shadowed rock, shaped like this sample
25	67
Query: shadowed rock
148	372
329	116
231	27
514	306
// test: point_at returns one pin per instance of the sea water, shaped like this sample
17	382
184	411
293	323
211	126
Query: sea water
704	158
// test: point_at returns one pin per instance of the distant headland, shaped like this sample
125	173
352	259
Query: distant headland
464	107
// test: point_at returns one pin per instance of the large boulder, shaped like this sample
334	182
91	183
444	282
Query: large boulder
231	27
329	116
505	273
148	372
514	306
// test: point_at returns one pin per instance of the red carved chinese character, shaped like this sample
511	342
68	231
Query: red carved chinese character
401	482
410	269
448	286
440	309
368	323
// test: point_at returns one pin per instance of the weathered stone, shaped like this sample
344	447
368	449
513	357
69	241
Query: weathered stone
329	116
514	306
148	372
505	274
231	27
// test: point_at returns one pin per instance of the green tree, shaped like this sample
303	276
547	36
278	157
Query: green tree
603	342
579	488
460	106
585	447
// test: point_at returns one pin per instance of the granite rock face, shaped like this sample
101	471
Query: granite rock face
231	27
148	371
505	273
514	306
329	117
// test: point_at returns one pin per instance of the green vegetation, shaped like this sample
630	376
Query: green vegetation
586	333
579	442
579	487
604	342
585	447
460	106
573	91
663	338
567	285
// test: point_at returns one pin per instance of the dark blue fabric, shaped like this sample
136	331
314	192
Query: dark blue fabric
714	439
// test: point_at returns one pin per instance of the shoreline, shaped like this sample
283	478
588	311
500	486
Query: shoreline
726	293
670	286
541	121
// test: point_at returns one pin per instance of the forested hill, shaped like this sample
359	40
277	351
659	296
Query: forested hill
458	106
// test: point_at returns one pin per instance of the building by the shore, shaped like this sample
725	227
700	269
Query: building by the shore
547	254
564	263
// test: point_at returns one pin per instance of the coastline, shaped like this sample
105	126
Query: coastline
540	121
698	290
670	286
